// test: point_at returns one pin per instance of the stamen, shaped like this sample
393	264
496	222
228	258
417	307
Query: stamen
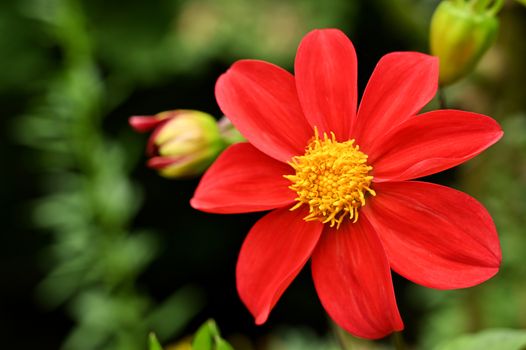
332	178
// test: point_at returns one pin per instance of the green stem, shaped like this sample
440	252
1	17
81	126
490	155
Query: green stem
398	341
442	98
341	337
497	5
228	132
481	5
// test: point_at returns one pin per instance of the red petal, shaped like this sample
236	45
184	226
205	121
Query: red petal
401	84
159	162
326	74
242	180
275	250
432	142
144	123
434	235
261	101
151	147
353	280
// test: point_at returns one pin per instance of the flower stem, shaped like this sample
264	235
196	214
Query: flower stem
398	341
442	98
480	5
341	337
229	132
497	5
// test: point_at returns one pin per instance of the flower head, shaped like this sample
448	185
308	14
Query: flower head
332	178
183	142
337	179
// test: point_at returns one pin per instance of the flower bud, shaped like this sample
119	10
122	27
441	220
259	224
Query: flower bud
461	32
183	143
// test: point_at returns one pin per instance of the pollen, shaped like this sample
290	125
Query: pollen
332	178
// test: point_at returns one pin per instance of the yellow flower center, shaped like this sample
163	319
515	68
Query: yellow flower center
332	178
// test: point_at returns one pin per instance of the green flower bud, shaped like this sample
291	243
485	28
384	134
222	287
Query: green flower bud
461	32
183	142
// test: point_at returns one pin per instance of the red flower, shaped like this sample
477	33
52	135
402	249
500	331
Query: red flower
337	181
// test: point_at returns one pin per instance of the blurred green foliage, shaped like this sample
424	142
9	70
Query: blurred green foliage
495	339
94	259
145	44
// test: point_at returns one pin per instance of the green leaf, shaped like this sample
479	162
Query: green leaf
223	345
204	336
492	339
522	2
208	338
154	343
